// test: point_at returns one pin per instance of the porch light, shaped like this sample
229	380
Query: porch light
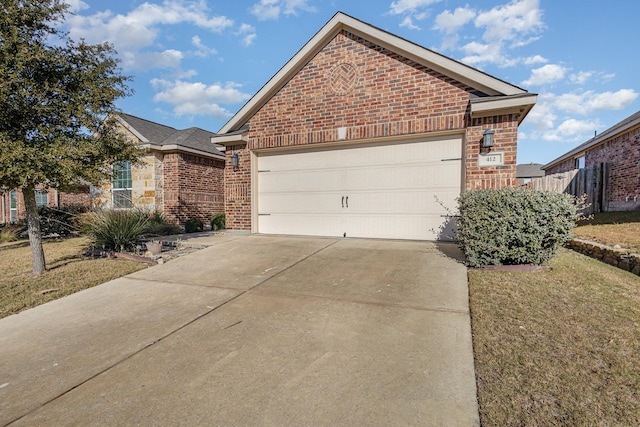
487	140
235	161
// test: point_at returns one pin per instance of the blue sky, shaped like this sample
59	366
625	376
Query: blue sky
195	63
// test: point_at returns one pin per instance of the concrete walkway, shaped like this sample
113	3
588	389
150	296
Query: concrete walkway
253	330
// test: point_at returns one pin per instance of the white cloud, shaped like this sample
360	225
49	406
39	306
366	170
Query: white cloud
607	77
546	74
407	22
572	130
581	77
561	117
510	25
271	9
512	21
76	5
400	7
203	51
484	53
167	59
196	98
135	33
535	59
449	22
542	117
588	102
248	34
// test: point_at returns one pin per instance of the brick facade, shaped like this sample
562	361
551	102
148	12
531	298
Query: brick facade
193	187
372	92
621	151
79	196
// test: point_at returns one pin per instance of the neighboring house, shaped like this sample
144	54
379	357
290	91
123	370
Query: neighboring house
527	171
182	174
12	202
365	134
619	148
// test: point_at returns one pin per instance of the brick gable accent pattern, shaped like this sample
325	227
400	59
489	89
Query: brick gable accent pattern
391	96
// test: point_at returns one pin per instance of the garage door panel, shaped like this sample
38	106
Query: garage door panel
403	202
280	203
394	191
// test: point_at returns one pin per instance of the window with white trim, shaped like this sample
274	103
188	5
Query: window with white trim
42	198
580	162
121	188
13	206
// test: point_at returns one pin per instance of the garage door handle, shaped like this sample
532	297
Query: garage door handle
347	201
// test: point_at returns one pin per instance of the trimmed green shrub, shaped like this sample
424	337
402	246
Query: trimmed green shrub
193	225
118	230
218	222
514	225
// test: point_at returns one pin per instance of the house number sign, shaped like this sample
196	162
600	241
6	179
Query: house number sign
491	159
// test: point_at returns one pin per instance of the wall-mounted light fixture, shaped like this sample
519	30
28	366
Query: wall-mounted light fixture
487	140
235	161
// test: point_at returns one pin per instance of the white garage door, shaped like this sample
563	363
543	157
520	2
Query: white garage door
396	191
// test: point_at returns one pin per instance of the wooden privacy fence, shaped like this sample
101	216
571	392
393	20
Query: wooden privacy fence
591	181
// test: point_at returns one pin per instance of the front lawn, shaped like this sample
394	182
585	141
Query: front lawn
559	347
612	228
68	272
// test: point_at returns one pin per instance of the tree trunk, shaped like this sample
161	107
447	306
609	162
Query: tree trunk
33	226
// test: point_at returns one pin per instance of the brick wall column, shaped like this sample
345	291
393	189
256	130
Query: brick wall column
237	189
505	128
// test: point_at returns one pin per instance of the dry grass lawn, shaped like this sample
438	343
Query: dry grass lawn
612	228
68	272
557	348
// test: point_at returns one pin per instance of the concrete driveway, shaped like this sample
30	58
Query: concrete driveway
253	330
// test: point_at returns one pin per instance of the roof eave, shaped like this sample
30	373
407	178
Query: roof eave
182	149
518	104
231	139
442	64
131	129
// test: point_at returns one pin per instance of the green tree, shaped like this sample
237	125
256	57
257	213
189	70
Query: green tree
56	100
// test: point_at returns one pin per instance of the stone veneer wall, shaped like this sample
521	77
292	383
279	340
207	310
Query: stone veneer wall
620	258
372	93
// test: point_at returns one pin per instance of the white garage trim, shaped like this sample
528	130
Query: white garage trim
385	190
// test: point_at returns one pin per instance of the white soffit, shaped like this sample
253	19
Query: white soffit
493	106
454	69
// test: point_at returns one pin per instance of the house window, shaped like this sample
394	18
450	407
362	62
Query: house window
121	189
42	198
13	206
580	162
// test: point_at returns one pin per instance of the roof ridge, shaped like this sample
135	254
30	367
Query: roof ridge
146	120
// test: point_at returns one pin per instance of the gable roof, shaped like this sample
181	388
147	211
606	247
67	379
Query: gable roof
157	136
631	121
497	91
